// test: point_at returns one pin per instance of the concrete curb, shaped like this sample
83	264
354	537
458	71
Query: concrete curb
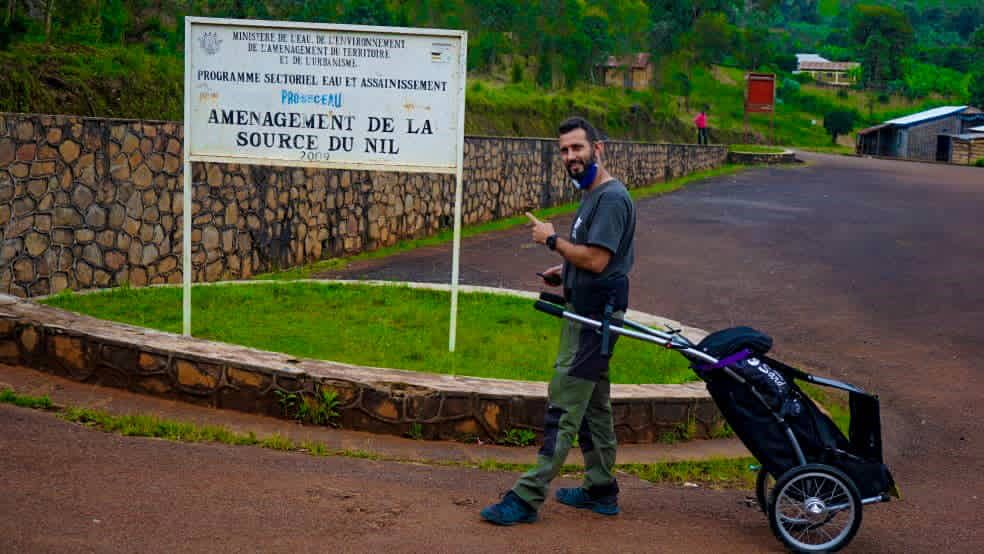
370	399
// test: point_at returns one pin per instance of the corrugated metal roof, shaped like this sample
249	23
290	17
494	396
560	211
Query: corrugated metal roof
872	129
800	58
927	115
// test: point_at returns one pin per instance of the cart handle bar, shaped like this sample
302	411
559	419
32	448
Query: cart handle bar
645	334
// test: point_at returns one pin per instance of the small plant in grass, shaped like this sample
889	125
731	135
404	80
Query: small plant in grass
287	401
416	431
669	437
8	396
723	431
277	442
518	437
320	411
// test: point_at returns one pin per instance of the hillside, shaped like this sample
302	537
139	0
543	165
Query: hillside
528	68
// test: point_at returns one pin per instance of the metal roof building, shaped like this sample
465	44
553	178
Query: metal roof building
927	135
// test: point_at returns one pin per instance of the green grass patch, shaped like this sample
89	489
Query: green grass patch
8	396
829	149
386	326
755	149
310	270
732	473
718	473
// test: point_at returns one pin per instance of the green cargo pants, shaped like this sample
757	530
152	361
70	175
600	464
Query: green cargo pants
578	402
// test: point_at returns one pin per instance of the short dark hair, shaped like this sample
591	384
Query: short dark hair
576	122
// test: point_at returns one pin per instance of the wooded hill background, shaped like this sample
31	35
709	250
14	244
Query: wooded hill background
533	62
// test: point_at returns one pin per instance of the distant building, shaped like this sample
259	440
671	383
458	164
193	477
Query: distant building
825	71
945	134
631	72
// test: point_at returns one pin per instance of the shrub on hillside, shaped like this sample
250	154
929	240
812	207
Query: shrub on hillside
838	122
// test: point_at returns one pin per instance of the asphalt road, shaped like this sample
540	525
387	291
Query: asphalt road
863	270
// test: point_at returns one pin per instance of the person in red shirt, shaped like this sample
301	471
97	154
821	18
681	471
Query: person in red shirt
701	122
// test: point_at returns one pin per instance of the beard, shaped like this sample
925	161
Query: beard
584	164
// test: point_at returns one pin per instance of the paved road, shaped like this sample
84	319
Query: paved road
864	270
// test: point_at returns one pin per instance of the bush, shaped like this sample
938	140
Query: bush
803	77
789	87
842	93
838	122
979	163
517	72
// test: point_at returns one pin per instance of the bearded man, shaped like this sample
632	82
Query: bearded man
597	257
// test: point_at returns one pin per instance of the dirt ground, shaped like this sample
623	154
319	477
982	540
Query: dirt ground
864	270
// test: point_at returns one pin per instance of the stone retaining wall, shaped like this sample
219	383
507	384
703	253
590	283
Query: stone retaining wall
371	399
87	202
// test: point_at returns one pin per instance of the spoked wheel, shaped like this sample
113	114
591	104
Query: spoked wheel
814	508
763	489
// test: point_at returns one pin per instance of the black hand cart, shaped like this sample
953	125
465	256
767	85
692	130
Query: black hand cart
813	480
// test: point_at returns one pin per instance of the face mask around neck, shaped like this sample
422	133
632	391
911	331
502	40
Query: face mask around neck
587	176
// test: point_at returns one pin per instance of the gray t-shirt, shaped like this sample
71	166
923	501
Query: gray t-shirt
605	218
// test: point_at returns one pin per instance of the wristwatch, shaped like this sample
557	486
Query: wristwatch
552	241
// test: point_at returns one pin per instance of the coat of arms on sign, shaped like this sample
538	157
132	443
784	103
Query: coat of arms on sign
209	42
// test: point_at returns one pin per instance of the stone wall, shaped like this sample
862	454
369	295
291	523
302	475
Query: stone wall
369	399
87	202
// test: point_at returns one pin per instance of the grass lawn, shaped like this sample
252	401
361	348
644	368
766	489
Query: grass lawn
396	327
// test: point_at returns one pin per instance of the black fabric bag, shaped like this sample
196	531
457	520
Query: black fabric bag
728	341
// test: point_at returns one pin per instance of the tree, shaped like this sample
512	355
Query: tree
977	40
876	63
713	36
884	35
838	122
976	89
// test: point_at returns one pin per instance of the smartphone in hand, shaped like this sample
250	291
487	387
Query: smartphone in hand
553	279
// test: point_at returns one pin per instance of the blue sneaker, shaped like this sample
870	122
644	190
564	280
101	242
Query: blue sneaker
579	498
510	511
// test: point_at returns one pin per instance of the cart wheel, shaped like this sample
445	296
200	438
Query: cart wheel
763	487
814	508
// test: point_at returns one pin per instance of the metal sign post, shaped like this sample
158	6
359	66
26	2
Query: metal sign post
322	95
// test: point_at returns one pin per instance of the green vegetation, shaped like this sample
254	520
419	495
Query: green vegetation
838	122
443	237
518	437
399	327
756	149
8	396
720	473
533	63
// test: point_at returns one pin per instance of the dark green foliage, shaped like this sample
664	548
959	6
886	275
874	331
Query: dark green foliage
839	122
976	89
884	34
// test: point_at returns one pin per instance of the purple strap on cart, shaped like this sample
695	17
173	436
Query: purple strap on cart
726	361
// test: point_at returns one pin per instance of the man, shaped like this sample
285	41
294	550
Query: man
597	258
701	122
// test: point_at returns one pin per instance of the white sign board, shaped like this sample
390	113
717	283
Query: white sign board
310	94
282	93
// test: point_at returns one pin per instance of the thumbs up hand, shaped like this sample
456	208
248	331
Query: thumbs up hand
541	229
